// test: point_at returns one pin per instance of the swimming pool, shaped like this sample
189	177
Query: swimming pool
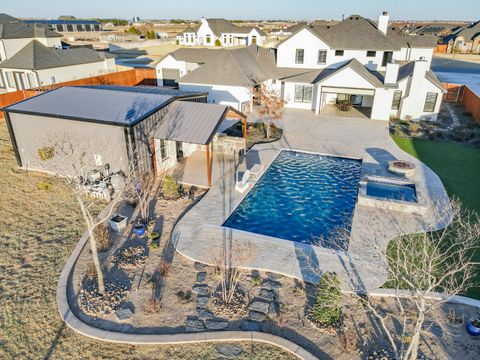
301	197
402	192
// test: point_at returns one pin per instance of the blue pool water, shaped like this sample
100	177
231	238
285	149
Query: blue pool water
405	192
301	197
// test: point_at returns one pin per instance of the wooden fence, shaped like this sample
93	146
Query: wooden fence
133	77
462	94
441	49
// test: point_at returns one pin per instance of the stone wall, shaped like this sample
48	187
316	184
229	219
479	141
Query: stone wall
227	144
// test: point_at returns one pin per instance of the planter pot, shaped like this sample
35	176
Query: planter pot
118	223
139	229
472	329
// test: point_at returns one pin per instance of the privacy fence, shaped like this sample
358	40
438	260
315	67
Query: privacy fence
462	94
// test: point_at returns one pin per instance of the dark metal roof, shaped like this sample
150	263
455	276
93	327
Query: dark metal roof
191	122
64	22
114	105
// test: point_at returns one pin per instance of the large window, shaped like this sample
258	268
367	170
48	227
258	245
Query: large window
299	54
322	57
397	98
371	53
2	82
10	79
387	58
303	93
339	52
32	80
430	102
163	149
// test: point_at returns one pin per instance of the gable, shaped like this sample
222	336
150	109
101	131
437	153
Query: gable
347	77
303	39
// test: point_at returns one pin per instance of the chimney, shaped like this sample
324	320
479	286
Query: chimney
203	20
420	68
383	22
391	74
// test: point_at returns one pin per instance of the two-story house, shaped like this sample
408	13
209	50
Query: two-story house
213	32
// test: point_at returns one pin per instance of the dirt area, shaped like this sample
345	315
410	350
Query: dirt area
256	133
461	57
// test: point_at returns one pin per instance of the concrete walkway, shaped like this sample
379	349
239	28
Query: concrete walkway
200	234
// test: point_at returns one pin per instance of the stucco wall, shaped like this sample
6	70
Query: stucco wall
218	94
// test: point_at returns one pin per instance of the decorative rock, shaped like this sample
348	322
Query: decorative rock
229	350
273	276
216	325
201	289
194	325
202	301
259	306
256	316
251	326
201	277
199	266
271	285
204	314
266	294
123	314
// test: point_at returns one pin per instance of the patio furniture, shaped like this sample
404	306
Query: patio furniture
243	185
256	170
344	105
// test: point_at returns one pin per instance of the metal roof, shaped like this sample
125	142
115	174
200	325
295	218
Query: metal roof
65	22
114	105
191	122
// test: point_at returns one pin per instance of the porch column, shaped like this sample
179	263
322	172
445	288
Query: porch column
209	167
245	134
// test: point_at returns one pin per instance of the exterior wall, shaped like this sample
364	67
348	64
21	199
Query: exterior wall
171	63
170	161
34	132
10	47
413	103
413	54
289	97
382	104
233	96
201	36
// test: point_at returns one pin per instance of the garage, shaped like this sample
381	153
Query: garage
170	77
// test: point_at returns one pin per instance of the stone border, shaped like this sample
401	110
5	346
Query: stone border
73	322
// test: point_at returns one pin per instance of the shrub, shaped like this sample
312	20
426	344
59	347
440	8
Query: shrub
397	131
256	280
218	43
327	309
177	42
171	190
102	236
413	128
46	153
44	185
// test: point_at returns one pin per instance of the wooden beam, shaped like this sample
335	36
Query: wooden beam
209	167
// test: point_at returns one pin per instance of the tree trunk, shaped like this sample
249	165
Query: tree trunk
412	350
93	245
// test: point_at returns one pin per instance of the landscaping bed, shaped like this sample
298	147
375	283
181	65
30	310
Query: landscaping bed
255	133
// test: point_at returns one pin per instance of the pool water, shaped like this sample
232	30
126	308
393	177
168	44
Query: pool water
302	197
402	192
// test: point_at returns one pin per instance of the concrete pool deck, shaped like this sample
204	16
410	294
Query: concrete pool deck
199	235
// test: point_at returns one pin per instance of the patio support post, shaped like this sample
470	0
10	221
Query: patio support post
209	167
245	136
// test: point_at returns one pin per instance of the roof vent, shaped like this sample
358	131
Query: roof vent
328	26
356	18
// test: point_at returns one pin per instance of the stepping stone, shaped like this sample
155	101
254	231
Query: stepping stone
123	314
251	326
266	294
256	316
229	350
216	325
202	301
274	276
194	325
204	314
271	284
201	289
201	277
199	266
259	306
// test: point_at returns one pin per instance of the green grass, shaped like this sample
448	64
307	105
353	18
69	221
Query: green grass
458	167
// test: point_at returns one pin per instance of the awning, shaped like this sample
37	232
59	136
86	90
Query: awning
350	91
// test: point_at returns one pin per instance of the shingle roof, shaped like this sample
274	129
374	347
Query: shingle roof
406	70
115	105
7	18
403	40
21	30
358	67
469	32
222	26
191	122
36	56
65	22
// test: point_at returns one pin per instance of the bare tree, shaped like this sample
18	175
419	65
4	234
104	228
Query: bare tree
270	106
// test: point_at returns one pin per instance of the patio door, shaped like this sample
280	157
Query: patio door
179	150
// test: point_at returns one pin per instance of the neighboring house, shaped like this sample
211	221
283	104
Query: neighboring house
66	26
383	72
148	128
211	31
15	34
39	65
465	40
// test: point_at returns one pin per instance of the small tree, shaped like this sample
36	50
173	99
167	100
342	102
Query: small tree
151	34
218	42
327	309
133	30
270	106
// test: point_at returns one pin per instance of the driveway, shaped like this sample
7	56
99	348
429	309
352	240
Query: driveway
199	235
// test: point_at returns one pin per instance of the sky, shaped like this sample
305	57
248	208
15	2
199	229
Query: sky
244	9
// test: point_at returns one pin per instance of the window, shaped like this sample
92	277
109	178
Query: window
32	80
397	98
299	54
303	93
59	27
339	52
2	82
164	149
209	39
10	79
96	27
88	27
430	102
371	53
70	27
387	58
322	57
224	39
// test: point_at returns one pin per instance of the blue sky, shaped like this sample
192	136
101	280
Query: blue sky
244	9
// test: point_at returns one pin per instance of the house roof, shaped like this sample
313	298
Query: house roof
65	22
469	32
7	18
11	29
403	39
222	26
36	56
114	105
406	70
191	122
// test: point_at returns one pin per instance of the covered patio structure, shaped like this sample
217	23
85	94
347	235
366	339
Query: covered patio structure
190	144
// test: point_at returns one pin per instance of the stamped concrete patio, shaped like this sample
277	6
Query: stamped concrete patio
199	234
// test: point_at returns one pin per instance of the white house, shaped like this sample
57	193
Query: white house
378	72
212	32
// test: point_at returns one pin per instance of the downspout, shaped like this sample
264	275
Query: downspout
12	138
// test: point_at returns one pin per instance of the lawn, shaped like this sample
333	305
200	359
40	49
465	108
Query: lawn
38	230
